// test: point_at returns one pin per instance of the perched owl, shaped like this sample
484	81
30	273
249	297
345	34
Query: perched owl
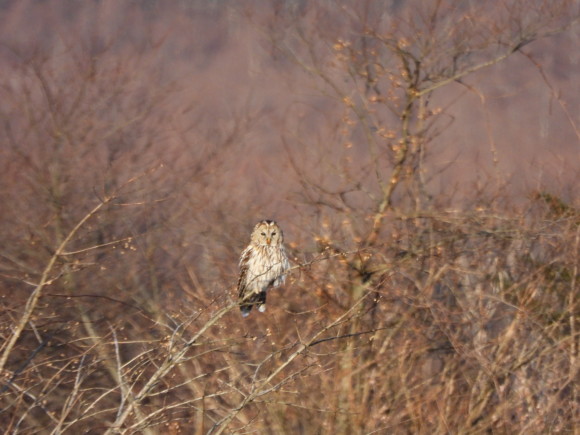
262	265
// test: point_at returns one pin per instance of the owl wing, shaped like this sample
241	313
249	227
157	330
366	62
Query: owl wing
285	265
244	268
247	295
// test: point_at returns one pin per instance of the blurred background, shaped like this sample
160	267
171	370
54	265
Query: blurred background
421	157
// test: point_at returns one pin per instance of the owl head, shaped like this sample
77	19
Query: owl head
267	233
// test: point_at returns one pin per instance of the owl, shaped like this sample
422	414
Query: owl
262	266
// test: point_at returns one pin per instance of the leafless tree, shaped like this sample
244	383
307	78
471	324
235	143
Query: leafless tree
139	144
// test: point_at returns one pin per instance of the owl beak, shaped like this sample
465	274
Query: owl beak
268	240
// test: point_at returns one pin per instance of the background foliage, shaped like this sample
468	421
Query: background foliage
422	158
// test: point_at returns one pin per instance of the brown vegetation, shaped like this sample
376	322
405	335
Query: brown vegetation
420	156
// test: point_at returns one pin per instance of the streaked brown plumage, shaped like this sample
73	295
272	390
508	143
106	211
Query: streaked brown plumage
262	266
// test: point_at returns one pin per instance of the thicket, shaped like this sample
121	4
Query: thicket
416	304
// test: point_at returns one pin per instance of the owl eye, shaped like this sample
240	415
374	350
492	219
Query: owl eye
274	233
263	234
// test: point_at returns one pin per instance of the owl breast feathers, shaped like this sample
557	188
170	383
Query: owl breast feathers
262	265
